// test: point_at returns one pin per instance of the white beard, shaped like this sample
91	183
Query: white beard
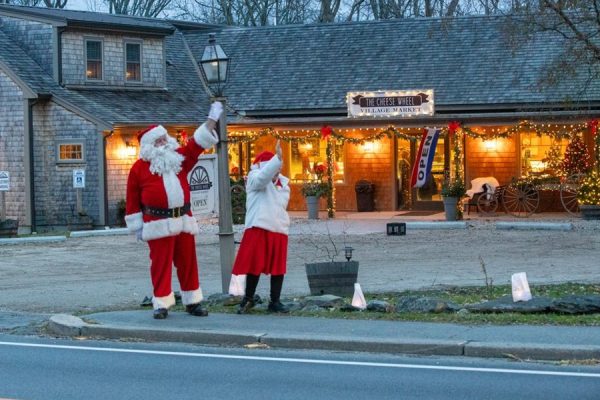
163	159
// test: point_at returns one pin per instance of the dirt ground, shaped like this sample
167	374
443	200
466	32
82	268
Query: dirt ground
111	272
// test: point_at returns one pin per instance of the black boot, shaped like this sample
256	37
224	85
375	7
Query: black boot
278	307
275	305
246	305
160	313
196	310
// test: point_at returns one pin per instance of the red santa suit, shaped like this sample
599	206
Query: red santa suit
158	204
264	245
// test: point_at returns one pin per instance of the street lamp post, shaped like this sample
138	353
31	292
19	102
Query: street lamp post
214	64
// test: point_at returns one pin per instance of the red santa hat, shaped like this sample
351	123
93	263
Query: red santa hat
150	134
262	157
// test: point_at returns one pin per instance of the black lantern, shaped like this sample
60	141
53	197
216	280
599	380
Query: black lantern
215	64
348	252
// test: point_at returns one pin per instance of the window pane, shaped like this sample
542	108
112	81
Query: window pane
305	156
70	152
133	72
94	50
133	52
94	70
541	155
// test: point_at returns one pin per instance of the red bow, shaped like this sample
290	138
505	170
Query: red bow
452	127
326	131
593	126
183	135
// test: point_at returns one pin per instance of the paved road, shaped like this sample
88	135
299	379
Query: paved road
111	272
99	370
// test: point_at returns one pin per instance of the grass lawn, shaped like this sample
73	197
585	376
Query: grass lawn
461	296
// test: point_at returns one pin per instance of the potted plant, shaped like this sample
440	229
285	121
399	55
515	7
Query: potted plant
313	191
452	192
588	195
332	277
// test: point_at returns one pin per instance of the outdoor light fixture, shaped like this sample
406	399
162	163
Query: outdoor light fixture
130	150
215	64
348	252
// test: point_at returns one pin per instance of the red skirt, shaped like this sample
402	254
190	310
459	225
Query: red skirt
261	252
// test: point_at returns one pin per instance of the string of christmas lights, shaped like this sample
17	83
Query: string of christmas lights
558	131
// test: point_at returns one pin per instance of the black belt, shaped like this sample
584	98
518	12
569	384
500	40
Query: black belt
167	212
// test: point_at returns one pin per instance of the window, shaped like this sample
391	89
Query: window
541	155
306	155
93	53
70	152
133	62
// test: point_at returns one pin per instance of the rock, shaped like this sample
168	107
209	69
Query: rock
424	304
379	306
463	312
312	308
293	305
220	298
349	308
505	304
577	304
325	301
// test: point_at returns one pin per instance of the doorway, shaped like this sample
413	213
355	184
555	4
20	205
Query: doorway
429	196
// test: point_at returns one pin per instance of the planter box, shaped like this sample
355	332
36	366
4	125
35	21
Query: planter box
589	211
337	278
79	223
9	227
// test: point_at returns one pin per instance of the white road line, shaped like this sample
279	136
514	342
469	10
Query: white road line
308	360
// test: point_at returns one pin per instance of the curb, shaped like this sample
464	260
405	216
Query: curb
437	225
34	239
68	325
550	226
100	232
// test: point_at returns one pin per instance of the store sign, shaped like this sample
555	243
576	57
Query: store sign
204	194
408	103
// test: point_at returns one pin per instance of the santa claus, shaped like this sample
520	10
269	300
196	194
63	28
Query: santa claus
158	211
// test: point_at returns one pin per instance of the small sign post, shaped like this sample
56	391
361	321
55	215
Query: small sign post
79	184
4	187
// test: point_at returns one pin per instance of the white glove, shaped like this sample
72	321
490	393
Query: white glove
216	109
138	234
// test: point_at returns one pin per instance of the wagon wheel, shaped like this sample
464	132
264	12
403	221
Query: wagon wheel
521	199
568	193
487	203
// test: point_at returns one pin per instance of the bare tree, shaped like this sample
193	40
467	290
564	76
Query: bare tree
575	23
329	10
55	3
142	8
31	3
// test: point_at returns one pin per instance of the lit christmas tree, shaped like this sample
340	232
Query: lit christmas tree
554	160
577	158
589	190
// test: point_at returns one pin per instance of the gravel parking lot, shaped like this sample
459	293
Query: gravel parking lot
111	272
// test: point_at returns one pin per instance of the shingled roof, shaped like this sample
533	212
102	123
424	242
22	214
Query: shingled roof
90	20
184	101
466	60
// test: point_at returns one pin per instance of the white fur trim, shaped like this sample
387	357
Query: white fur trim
169	227
191	296
134	221
205	138
149	137
173	189
163	302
